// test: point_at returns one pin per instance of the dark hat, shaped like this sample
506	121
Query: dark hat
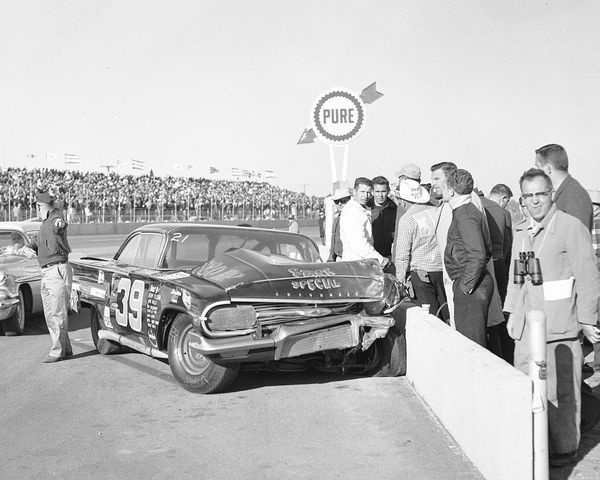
45	197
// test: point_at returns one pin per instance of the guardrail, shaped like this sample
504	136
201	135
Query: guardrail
483	402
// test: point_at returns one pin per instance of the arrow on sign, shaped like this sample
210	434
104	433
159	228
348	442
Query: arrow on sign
308	136
370	94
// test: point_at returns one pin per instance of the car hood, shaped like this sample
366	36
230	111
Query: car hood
251	276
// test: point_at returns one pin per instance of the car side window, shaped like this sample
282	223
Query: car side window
186	249
142	250
11	238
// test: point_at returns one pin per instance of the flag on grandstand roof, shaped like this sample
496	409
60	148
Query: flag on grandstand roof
240	172
213	170
137	164
269	174
72	159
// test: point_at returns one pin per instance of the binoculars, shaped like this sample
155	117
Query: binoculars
526	265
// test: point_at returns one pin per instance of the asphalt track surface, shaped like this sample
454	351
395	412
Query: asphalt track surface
124	416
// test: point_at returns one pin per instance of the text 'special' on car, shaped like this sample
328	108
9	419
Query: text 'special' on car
214	299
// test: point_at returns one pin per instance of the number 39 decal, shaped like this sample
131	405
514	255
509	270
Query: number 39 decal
129	303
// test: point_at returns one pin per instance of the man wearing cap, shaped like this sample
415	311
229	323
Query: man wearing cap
355	225
594	380
340	199
409	171
417	255
53	250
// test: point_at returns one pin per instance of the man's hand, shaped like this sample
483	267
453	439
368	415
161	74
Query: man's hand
385	261
510	325
591	332
26	252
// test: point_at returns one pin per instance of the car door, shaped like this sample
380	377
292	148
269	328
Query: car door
132	280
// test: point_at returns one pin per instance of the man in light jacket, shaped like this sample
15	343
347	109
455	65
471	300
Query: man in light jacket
568	297
355	225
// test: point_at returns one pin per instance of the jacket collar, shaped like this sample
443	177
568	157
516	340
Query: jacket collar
459	201
545	224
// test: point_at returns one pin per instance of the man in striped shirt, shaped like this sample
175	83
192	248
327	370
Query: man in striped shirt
417	255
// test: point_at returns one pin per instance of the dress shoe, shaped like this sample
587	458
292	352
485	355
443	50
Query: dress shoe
51	359
563	459
69	354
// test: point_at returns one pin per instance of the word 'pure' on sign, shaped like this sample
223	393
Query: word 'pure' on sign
338	115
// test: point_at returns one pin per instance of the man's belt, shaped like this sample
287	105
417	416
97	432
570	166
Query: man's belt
51	264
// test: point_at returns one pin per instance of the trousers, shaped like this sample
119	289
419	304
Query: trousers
471	311
56	293
430	290
563	363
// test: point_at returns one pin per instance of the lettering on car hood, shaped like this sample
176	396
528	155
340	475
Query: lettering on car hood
252	276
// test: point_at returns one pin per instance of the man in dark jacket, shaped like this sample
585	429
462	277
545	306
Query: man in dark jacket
500	226
569	196
383	217
53	250
468	250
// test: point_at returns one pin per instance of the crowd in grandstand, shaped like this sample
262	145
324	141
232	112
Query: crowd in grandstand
97	196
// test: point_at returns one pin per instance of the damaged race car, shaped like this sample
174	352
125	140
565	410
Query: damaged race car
212	299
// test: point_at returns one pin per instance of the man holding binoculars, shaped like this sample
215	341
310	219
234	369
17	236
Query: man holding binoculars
555	272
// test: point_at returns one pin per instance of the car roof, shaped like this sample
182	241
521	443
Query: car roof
171	226
26	226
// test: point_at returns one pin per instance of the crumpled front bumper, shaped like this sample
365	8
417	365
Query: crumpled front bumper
300	337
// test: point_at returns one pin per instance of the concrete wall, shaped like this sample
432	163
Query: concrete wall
125	228
482	401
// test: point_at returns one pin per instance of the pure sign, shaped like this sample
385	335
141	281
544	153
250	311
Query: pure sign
338	116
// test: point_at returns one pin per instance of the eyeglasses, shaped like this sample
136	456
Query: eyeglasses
528	197
341	201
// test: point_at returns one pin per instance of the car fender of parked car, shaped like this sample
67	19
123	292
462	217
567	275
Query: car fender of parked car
24	271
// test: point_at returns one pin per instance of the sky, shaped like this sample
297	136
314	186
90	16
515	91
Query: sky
230	84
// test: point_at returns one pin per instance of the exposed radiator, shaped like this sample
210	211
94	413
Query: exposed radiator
337	337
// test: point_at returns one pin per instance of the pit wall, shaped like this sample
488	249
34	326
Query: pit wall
126	228
483	402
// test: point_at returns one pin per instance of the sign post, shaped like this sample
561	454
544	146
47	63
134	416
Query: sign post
337	118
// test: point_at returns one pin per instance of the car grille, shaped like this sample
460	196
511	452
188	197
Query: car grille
331	338
279	314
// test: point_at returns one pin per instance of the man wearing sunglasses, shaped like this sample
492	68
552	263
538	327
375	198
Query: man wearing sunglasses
340	198
568	296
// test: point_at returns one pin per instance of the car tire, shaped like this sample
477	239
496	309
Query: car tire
15	325
103	345
391	354
192	370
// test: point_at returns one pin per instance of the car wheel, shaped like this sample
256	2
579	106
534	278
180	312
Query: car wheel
15	325
193	370
389	354
103	345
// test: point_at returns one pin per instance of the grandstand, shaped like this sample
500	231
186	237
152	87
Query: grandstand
110	197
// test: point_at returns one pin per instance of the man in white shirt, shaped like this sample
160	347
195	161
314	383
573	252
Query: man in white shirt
355	225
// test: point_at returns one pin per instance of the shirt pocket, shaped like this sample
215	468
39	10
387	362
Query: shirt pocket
560	315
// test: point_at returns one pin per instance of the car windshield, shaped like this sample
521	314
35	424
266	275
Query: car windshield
194	247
